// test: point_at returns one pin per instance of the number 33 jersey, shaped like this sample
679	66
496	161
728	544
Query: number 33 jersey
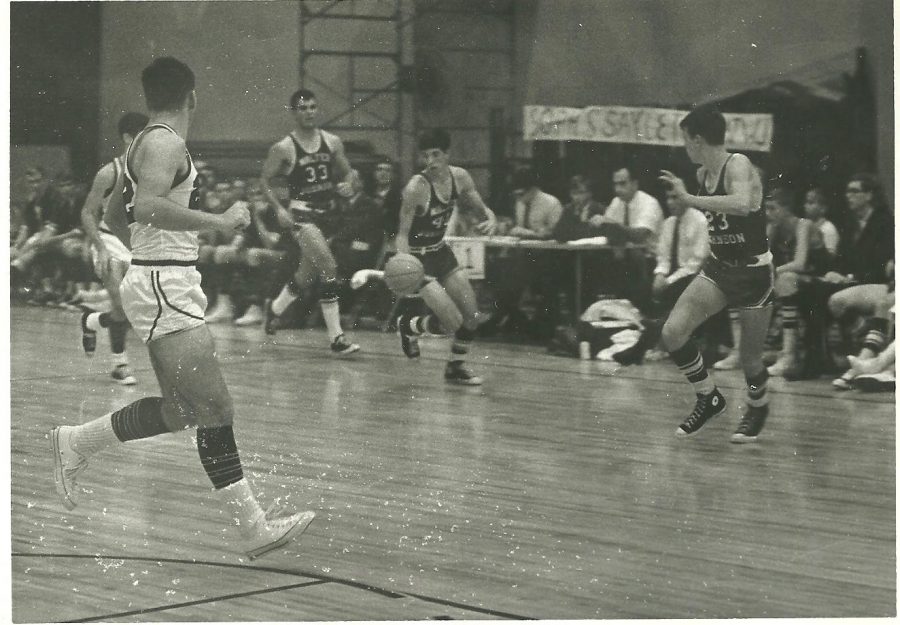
311	184
734	238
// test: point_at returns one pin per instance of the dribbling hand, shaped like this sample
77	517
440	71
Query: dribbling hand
236	218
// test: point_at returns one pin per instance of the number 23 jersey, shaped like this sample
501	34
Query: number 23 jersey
734	238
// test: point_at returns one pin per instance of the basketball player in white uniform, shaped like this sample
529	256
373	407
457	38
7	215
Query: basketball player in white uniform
111	257
162	298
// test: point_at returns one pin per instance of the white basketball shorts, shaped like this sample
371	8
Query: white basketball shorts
161	300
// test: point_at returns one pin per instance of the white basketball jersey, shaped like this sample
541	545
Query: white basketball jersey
153	244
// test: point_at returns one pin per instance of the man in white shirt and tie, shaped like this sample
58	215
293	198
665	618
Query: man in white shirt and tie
682	248
634	214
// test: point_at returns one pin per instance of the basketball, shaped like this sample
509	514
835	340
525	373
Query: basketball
403	273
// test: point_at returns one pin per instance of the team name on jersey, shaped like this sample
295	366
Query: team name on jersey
316	157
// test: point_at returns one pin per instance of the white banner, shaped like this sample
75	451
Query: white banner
649	126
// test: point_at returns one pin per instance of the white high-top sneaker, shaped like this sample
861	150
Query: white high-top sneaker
268	534
67	464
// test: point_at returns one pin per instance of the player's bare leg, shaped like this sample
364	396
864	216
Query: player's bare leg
699	301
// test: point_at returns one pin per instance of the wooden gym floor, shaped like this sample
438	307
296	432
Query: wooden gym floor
557	490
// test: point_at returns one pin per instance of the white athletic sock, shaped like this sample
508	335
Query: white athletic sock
332	315
93	322
93	436
242	505
118	359
284	299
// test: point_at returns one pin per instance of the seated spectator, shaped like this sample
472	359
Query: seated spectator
682	248
574	223
633	215
50	250
798	252
816	210
536	211
858	281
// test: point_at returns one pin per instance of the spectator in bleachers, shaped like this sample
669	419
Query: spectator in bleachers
798	252
816	210
859	278
48	247
219	256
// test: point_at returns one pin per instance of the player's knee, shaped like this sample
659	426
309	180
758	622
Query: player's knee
837	305
673	335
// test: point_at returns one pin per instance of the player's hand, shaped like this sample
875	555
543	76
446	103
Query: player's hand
235	218
487	227
362	276
675	182
344	189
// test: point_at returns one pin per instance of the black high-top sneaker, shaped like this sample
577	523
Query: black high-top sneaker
751	424
408	341
707	407
458	373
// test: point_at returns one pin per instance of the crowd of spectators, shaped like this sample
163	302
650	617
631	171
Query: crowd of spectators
834	283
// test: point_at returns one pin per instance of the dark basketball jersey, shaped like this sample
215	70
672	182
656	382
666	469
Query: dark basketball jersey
310	181
428	228
734	238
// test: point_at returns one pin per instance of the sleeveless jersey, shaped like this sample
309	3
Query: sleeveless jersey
117	169
734	238
428	228
154	244
310	180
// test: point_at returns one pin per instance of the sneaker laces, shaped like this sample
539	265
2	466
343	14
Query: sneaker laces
699	410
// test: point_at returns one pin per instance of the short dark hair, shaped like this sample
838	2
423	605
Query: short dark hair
434	138
132	123
705	121
524	178
301	94
167	83
869	182
632	172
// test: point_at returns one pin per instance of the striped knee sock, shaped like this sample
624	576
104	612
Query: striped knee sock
219	455
757	389
462	339
690	363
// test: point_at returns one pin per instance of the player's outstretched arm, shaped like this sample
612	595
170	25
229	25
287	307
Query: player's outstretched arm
742	184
